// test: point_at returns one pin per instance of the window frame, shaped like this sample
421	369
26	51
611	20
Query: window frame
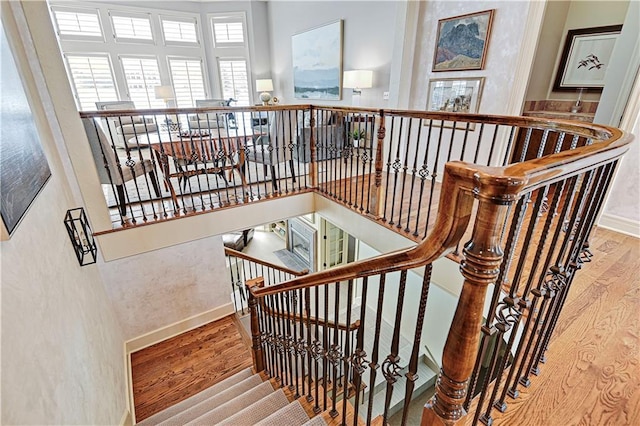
131	15
176	43
72	81
150	95
203	69
69	37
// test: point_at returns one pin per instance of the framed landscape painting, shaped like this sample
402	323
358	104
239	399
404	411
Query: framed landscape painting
461	43
458	95
585	58
317	62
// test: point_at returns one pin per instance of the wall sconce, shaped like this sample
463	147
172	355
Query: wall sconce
81	236
357	80
265	86
165	93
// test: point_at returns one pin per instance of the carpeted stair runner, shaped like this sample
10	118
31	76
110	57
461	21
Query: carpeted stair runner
257	411
221	412
290	415
243	399
253	387
207	393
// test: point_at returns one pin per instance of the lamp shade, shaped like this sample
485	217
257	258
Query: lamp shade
358	79
264	85
164	92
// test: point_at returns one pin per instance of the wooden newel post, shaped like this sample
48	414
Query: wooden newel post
377	192
256	344
480	267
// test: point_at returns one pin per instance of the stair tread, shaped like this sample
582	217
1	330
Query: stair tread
225	410
197	398
290	415
256	411
316	421
214	401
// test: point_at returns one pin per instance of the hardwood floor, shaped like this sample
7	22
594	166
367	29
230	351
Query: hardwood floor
591	377
592	373
173	370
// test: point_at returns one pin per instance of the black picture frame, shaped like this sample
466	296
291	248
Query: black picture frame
584	59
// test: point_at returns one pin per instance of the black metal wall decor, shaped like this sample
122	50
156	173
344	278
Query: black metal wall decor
81	236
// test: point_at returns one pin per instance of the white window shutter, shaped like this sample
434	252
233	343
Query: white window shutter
188	81
142	76
92	80
234	80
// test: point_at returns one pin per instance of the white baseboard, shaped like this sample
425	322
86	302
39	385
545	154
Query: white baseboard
179	327
126	419
620	224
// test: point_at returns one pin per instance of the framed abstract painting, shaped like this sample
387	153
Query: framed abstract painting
23	166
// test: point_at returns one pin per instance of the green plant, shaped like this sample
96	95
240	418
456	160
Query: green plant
358	134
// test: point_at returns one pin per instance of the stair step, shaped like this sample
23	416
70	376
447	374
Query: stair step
197	398
214	401
290	415
316	421
231	407
331	421
256	411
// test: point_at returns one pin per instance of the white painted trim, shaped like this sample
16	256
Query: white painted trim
177	328
116	245
126	420
620	224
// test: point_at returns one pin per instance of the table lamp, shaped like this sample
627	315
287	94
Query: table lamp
357	80
165	93
265	86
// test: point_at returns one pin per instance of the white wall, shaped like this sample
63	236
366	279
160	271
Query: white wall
367	42
62	346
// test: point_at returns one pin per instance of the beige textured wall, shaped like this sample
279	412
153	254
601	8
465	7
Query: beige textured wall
161	287
502	54
62	346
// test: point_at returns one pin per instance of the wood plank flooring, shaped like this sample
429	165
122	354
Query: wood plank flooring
592	373
175	369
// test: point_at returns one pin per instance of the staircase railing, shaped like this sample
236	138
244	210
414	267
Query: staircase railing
531	223
243	268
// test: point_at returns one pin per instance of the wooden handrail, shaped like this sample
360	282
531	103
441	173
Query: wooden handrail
231	252
461	181
299	318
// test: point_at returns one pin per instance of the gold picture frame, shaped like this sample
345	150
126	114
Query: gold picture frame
462	41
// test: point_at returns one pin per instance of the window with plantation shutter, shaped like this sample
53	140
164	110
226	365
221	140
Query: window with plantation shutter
228	30
179	31
92	80
188	81
77	24
234	80
131	28
142	76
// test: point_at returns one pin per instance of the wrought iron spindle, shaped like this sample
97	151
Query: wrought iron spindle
405	167
373	365
423	173
390	366
335	352
414	170
434	175
412	373
397	164
359	357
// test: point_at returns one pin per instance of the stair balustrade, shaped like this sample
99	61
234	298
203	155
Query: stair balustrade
243	268
530	225
519	195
